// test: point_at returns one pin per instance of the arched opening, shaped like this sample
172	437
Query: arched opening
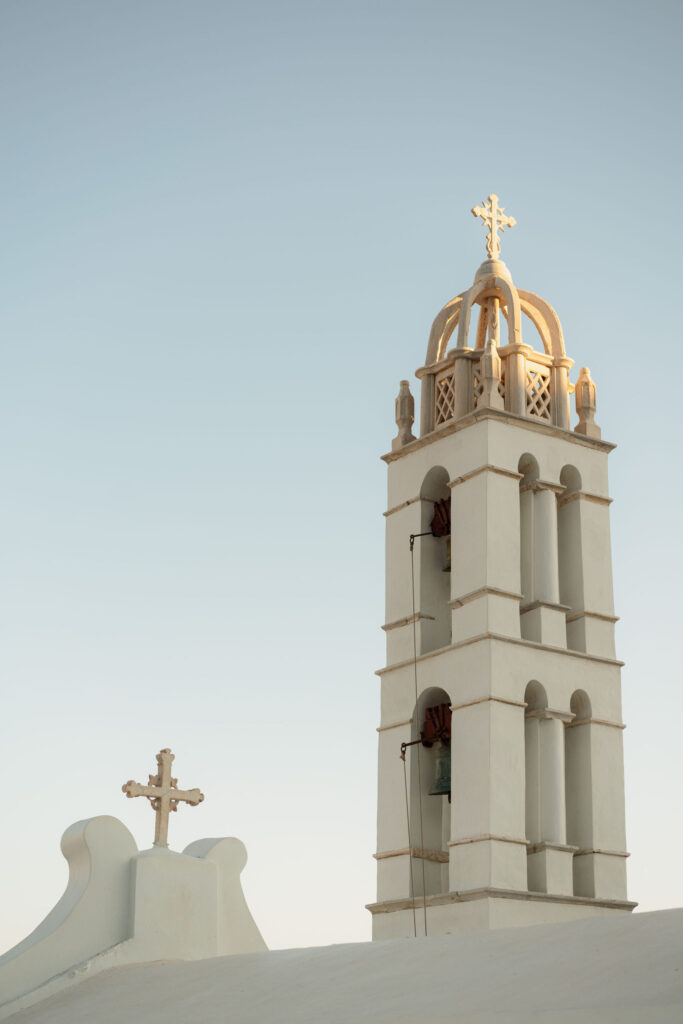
579	791
430	807
532	331
536	702
434	561
570	555
528	467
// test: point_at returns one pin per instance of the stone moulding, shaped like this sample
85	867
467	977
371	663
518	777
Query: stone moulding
583	613
442	899
406	621
487	699
486	468
568	651
458	602
488	838
596	721
394	725
534	425
438	856
603	853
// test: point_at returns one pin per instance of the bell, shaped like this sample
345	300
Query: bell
442	771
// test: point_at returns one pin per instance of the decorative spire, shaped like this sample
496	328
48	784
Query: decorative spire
495	220
584	396
405	417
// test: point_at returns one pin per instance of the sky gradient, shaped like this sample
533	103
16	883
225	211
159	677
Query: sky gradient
226	229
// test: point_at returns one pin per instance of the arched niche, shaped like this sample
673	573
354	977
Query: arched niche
433	562
430	815
570	554
528	467
535	696
579	790
536	700
580	706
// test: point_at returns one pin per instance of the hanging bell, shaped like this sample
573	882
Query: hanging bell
441	527
442	771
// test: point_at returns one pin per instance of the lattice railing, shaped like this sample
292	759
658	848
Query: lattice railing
537	390
444	397
477	387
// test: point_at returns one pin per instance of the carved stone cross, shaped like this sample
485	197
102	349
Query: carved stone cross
163	794
495	220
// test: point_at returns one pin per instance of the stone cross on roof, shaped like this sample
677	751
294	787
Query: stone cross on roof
163	794
495	220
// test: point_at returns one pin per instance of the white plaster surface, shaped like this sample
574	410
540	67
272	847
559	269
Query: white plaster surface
123	907
621	968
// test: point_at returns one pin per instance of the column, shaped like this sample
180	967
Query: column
549	861
532	750
426	402
515	377
544	619
526	525
463	382
560	393
553	806
546	567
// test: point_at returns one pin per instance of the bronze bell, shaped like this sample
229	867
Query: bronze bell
442	770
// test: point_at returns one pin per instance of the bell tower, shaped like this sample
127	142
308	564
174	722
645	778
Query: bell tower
501	784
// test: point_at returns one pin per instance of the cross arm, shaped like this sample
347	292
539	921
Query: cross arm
131	789
190	796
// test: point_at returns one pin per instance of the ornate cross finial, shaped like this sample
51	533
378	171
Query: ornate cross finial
163	794
495	220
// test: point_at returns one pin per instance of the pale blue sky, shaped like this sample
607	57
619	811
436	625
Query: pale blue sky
225	230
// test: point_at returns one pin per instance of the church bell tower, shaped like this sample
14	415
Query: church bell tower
501	783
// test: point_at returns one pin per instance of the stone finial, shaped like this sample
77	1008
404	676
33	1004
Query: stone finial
490	368
584	396
405	417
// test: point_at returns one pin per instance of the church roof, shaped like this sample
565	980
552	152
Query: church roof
625	968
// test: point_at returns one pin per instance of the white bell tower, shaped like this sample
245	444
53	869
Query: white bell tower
501	681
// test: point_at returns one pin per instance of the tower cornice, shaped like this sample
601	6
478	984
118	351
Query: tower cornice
503	416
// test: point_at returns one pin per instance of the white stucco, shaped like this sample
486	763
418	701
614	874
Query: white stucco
514	631
619	969
121	906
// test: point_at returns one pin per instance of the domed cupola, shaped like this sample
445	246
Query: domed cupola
478	355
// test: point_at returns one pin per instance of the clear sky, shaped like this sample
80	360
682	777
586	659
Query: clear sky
225	229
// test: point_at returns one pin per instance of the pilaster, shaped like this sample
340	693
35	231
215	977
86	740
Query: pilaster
485	579
586	563
543	619
515	381
488	845
549	857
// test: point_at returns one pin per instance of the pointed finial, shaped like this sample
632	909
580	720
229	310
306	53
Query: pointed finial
405	416
495	220
585	398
